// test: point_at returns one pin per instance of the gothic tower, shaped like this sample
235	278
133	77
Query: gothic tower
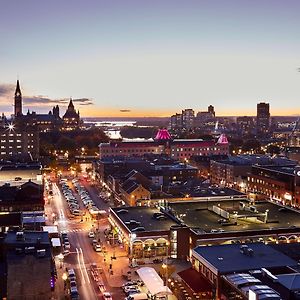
18	100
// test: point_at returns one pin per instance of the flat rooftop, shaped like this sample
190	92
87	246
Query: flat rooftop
221	257
144	215
30	238
199	215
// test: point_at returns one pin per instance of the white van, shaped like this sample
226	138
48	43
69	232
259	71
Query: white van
140	296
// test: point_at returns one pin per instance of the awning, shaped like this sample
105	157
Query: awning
153	282
55	242
195	281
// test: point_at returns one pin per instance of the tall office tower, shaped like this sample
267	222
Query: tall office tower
176	122
211	110
263	118
18	100
188	116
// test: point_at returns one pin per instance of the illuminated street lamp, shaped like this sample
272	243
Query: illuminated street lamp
64	278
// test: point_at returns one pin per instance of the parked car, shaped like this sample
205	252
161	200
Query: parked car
91	234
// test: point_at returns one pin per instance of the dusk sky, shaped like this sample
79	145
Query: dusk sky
152	57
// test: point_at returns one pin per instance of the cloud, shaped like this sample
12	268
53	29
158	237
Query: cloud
6	89
83	101
45	101
39	103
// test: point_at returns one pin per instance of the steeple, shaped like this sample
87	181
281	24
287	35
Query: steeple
18	100
71	105
18	90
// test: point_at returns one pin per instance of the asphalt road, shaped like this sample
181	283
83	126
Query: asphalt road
82	254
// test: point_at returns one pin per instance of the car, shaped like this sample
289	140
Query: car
71	274
128	283
75	212
133	222
94	242
73	290
222	221
97	247
157	214
91	234
106	296
18	178
131	290
161	218
73	283
129	286
140	228
67	245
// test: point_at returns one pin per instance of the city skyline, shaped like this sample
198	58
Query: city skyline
130	58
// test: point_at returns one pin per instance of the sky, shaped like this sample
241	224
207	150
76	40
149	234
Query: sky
151	58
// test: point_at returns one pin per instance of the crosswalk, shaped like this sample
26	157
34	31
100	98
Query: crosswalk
77	230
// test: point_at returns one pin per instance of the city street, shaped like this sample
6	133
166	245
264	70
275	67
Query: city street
82	254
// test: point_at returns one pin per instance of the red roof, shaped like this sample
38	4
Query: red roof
222	139
195	281
163	134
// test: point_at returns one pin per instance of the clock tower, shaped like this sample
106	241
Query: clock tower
18	100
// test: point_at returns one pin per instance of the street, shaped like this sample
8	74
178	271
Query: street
82	254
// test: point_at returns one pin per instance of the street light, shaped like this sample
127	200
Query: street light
64	278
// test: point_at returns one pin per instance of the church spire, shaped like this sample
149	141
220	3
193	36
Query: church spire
18	100
18	90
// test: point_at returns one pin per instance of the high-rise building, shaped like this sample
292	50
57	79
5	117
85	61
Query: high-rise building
245	125
211	110
18	142
18	100
263	118
176	122
188	116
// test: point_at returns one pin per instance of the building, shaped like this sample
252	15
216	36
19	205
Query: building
25	197
188	116
245	125
216	265
29	266
153	238
294	137
263	118
18	142
18	100
205	116
279	183
45	122
176	122
233	170
146	232
71	118
178	149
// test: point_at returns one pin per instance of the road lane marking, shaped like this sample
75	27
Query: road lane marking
78	258
84	267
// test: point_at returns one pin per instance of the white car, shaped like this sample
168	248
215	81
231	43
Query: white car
91	234
97	248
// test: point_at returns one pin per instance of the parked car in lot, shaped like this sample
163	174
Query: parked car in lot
131	290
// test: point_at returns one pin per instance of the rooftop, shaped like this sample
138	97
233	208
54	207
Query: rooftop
259	159
264	256
29	238
200	215
144	215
